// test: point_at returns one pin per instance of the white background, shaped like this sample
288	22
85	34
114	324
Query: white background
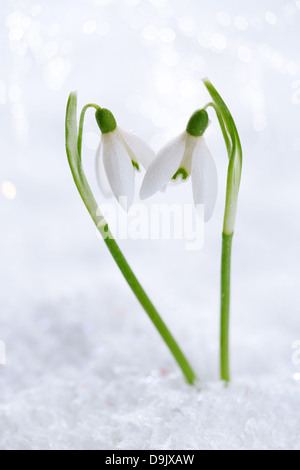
85	368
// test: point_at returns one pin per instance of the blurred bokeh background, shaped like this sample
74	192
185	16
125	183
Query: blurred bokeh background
70	323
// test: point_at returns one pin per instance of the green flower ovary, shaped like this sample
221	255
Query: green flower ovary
105	120
198	123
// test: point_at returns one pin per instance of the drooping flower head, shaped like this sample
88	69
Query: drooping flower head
121	153
186	155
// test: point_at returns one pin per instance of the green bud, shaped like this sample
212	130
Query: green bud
198	123
105	120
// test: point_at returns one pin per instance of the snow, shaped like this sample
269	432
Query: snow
85	368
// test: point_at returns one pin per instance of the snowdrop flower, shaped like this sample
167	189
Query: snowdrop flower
186	155
121	154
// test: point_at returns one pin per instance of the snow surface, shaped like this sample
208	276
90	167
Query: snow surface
85	368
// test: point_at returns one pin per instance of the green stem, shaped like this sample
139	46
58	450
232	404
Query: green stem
74	158
222	126
234	150
225	306
81	121
151	310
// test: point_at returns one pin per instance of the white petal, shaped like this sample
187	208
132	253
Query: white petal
119	169
100	172
164	167
139	151
204	178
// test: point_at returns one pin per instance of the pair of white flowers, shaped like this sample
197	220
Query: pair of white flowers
122	153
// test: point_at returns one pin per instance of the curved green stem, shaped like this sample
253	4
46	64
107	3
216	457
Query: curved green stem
234	150
73	147
222	126
81	121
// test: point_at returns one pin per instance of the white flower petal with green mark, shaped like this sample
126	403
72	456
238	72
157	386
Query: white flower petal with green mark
164	167
204	178
138	150
118	167
120	153
184	156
